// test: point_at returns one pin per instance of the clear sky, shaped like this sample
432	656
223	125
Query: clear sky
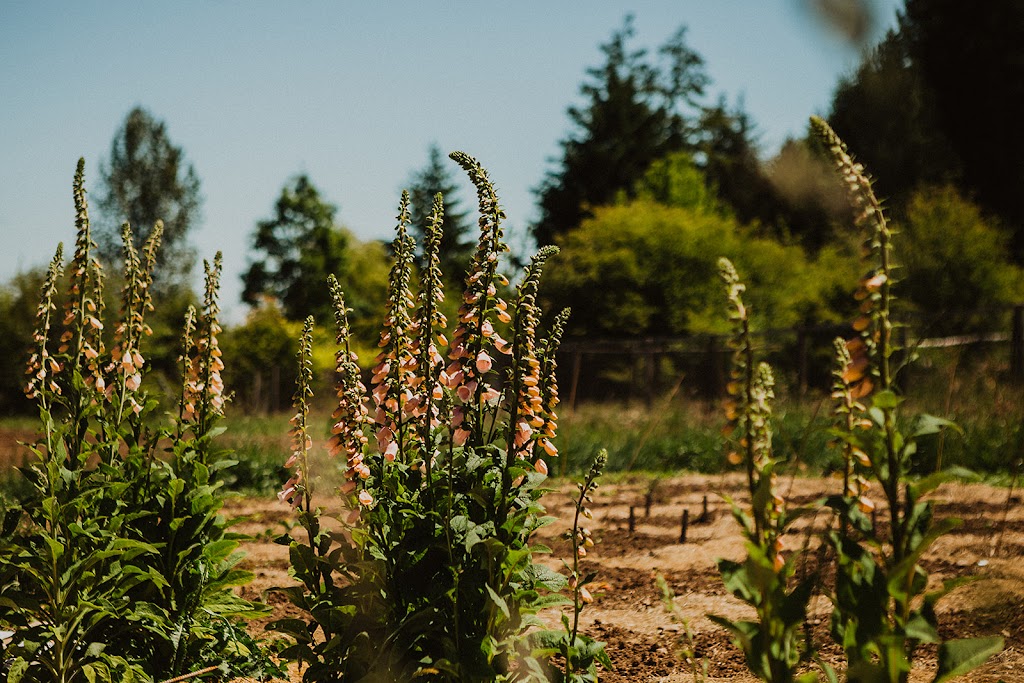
352	93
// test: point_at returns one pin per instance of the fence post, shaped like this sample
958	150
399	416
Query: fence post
577	359
275	388
716	377
1017	344
650	362
801	360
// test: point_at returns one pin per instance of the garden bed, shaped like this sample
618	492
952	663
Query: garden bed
628	613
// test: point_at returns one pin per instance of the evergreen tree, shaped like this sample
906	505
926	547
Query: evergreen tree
728	150
457	240
971	58
298	248
145	180
637	111
887	114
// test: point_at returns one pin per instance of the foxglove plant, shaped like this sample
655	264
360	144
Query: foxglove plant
774	644
883	610
580	654
433	573
117	566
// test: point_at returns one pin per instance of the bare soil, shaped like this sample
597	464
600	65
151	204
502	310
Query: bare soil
644	640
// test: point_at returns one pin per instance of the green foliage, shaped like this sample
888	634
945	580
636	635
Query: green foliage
633	115
117	564
955	263
146	180
17	316
297	248
883	610
676	181
432	573
646	269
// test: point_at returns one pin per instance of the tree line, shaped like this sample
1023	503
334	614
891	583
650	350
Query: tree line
655	181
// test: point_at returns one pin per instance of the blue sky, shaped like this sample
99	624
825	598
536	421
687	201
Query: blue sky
352	94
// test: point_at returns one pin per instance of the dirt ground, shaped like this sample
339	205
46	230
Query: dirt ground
642	638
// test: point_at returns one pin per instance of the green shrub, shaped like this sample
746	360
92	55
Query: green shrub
643	268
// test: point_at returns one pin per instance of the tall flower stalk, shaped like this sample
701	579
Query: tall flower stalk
774	644
883	611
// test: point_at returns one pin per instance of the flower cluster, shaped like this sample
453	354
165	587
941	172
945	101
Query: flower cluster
849	413
126	358
748	412
874	289
42	367
203	391
296	490
83	313
395	369
475	337
533	394
351	417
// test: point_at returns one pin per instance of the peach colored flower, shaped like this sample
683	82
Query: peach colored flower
483	362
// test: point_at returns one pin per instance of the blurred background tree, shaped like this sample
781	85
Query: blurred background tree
297	248
637	110
147	179
957	271
970	57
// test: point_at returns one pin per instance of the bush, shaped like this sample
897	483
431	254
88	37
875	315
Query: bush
646	269
956	267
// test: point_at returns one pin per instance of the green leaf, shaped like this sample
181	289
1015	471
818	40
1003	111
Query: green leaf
498	600
936	479
17	670
957	657
885	400
930	424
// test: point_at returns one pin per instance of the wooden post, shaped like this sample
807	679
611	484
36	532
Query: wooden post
716	379
649	377
275	388
632	519
703	511
648	499
577	359
801	360
683	525
1017	344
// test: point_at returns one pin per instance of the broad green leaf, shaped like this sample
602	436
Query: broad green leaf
499	601
957	657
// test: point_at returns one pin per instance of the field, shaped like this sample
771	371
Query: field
628	613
